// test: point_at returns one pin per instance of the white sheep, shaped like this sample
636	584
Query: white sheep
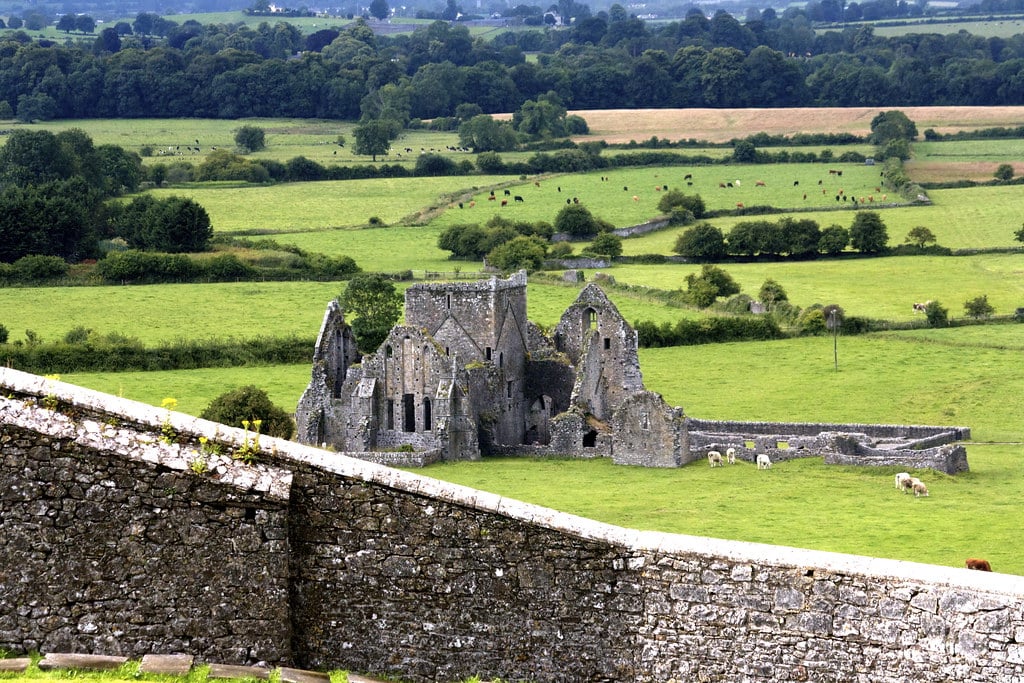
903	481
763	461
714	458
919	488
730	456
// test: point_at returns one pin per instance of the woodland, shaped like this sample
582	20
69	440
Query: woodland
158	68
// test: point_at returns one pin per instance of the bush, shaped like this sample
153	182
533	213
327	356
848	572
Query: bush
5	334
250	403
937	314
38	268
978	307
576	220
701	242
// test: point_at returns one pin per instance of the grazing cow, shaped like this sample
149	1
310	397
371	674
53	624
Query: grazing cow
795	183
504	202
721	184
819	181
739	205
491	198
759	183
878	189
472	204
728	184
921	307
688	176
518	198
575	200
492	193
536	183
508	193
805	195
460	205
625	188
559	188
978	564
568	201
635	198
689	183
657	188
665	187
833	171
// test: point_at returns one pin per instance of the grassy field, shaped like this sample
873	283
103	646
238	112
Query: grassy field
877	288
325	204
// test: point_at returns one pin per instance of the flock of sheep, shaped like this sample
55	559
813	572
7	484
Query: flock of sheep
905	482
715	459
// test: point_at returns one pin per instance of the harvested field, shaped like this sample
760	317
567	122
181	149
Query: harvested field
951	171
722	125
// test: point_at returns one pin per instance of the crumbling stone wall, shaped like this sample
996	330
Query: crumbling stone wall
110	543
395	573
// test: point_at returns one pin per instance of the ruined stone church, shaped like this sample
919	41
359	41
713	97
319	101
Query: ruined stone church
468	374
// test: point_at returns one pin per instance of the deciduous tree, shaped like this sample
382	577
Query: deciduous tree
376	307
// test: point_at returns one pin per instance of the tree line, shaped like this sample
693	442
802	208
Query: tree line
233	71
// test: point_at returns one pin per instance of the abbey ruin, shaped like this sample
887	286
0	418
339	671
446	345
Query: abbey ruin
468	375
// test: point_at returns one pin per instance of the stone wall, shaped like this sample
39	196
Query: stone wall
395	573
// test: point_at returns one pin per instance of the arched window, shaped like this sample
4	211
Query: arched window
426	414
589	319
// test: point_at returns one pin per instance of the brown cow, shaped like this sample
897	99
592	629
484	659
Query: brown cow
979	564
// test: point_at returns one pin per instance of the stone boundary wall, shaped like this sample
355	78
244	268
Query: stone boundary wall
878	431
395	573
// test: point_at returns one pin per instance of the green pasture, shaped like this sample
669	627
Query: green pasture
974	217
155	313
323	204
882	288
988	150
315	139
991	28
242	310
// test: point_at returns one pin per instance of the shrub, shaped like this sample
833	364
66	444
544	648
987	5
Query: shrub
38	268
576	220
250	403
5	334
937	314
978	307
701	242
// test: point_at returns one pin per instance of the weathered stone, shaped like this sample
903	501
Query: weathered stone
15	665
171	665
80	661
289	675
234	671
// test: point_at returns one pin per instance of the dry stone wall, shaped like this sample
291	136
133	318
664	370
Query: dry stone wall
391	572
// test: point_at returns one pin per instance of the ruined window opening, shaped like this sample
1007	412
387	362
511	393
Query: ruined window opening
589	319
408	413
782	445
645	421
447	351
607	343
749	444
590	439
250	513
387	351
508	389
501	360
338	381
426	415
487	353
391	414
448	300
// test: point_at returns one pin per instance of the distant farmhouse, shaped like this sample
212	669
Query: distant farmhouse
468	375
